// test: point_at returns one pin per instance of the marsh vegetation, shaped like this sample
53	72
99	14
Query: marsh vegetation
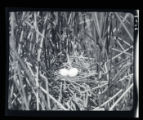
99	44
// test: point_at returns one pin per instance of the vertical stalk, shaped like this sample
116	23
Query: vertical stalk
38	55
22	88
48	99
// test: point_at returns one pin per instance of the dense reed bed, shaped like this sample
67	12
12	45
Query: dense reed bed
98	44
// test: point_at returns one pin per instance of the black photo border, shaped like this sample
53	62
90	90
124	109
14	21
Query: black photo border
15	113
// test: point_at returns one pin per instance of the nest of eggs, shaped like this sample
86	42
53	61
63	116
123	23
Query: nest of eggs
74	84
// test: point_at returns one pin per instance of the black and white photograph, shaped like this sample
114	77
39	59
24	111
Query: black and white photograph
71	60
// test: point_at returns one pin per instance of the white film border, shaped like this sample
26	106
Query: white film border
137	60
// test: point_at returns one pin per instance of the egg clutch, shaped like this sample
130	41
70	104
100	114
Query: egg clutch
71	72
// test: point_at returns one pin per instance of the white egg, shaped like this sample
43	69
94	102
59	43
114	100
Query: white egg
63	72
73	72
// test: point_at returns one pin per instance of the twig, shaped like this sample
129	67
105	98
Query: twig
112	107
100	86
38	57
16	97
98	28
47	91
119	54
124	19
51	97
111	98
21	38
23	91
31	78
120	45
28	65
32	27
41	45
125	77
123	69
121	51
69	18
118	38
99	109
60	94
131	37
